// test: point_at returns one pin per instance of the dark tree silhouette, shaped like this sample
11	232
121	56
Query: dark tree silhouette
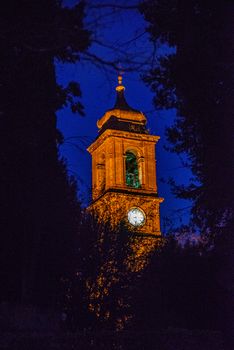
39	210
197	81
99	293
177	289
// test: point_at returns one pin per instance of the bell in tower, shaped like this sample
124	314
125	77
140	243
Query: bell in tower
123	169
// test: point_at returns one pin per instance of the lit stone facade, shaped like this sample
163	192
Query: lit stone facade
124	169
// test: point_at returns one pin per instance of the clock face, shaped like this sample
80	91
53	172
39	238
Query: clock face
136	217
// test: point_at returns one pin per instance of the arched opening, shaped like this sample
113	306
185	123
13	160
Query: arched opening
132	172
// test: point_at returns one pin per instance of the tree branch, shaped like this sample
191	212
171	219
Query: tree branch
109	5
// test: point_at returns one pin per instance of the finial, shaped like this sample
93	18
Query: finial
120	87
120	79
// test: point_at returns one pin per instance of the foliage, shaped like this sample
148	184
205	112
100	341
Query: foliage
38	200
197	81
98	295
177	290
168	339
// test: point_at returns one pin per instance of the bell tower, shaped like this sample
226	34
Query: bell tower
123	169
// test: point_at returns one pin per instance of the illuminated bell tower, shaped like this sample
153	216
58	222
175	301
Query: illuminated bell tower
123	169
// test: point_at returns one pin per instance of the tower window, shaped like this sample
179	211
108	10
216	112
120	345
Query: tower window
132	173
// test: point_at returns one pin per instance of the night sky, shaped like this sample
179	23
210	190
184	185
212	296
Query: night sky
98	94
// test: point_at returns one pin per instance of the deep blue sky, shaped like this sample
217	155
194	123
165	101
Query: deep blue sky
98	95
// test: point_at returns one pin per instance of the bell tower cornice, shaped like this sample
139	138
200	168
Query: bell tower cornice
123	135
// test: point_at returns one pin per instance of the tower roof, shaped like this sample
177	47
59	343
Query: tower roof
121	102
122	116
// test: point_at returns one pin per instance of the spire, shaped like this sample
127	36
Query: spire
120	102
